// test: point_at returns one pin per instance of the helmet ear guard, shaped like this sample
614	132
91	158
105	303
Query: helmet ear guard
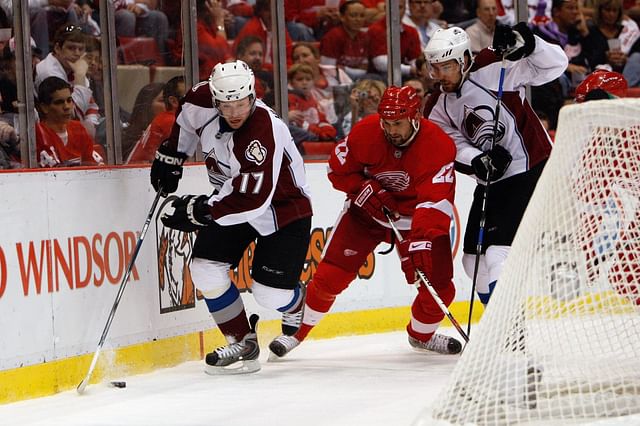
232	81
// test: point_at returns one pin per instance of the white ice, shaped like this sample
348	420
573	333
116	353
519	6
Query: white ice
360	380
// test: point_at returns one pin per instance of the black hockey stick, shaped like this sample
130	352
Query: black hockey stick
83	384
485	196
424	281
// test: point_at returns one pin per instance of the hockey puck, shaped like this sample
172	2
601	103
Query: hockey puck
119	384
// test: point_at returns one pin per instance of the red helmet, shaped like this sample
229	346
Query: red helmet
399	102
610	81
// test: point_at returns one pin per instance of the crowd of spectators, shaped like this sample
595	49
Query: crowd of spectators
336	57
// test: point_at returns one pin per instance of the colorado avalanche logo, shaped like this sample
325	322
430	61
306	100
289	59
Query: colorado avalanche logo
256	152
478	125
216	175
396	180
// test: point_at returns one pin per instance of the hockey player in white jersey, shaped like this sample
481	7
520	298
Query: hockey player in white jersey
465	106
260	194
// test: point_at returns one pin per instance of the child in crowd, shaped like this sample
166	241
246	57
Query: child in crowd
304	113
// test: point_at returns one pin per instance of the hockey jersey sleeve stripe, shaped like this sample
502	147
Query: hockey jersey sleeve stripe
443	205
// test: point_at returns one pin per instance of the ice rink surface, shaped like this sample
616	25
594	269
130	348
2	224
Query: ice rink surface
361	380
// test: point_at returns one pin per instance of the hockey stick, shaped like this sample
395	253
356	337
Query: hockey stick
83	384
485	195
424	281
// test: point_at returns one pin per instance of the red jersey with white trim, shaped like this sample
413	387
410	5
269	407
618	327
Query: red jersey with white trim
158	130
347	51
77	151
468	114
420	177
257	170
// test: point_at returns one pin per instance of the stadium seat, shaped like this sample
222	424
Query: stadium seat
139	50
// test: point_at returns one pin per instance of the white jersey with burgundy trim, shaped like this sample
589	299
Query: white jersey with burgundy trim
467	115
257	170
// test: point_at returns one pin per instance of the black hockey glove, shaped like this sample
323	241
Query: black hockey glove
497	161
514	42
166	169
191	213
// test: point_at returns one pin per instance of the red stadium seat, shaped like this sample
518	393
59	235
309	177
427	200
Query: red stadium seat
139	50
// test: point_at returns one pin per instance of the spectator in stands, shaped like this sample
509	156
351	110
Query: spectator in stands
9	145
160	127
347	45
61	141
459	12
481	32
237	13
149	103
364	100
213	47
420	17
409	46
610	36
251	51
93	56
140	18
329	81
306	120
68	63
309	20
8	78
85	11
567	28
260	26
421	89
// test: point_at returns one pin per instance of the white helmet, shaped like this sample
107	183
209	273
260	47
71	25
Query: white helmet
448	44
232	81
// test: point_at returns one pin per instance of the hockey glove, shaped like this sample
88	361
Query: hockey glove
496	161
431	256
374	199
166	169
191	213
513	42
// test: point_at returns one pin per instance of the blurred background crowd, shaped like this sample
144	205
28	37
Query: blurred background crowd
336	58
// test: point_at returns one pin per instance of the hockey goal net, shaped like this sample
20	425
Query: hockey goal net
560	340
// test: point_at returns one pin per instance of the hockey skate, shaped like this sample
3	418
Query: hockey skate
238	357
438	343
282	345
291	320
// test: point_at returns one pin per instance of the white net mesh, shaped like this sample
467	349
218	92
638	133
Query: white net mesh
560	339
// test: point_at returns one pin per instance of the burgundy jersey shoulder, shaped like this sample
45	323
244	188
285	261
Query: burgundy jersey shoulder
485	57
199	95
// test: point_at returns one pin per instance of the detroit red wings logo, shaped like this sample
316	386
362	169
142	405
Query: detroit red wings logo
395	180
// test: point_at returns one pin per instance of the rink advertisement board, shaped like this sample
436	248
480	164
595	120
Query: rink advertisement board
68	236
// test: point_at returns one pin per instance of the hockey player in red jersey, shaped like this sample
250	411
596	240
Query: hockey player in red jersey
464	106
610	190
398	161
260	194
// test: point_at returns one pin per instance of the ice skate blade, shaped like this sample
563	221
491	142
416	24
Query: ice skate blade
240	367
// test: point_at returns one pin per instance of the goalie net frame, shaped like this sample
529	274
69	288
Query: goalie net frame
559	342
